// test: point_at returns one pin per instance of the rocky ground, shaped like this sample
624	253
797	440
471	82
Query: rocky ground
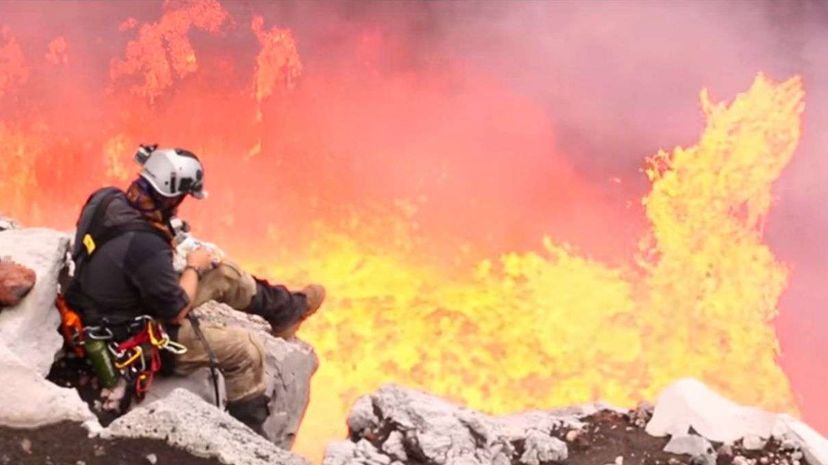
68	444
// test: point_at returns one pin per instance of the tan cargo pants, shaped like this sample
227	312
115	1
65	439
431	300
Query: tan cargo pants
239	352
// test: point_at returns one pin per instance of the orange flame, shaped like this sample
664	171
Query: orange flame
13	70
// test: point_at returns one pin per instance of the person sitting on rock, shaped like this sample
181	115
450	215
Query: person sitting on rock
132	274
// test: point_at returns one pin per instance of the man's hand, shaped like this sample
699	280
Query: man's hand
201	259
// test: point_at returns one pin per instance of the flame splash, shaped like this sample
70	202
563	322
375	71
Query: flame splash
552	328
521	330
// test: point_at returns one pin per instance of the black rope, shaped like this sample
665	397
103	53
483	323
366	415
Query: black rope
210	354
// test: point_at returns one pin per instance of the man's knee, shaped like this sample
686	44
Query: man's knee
238	352
227	283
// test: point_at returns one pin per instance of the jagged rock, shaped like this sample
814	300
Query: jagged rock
542	448
753	442
15	282
184	420
29	329
29	401
7	223
401	424
690	404
289	366
697	447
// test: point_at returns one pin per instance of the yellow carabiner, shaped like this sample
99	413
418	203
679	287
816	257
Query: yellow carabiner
131	359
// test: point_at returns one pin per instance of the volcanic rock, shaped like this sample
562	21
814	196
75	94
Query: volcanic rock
401	424
29	329
695	446
690	404
27	400
7	223
398	425
184	420
15	282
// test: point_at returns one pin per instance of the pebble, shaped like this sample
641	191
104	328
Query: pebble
619	460
726	450
572	435
80	462
753	442
740	460
152	458
26	445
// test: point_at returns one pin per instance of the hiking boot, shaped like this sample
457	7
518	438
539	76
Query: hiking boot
314	296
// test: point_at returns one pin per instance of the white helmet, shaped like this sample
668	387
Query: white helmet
172	172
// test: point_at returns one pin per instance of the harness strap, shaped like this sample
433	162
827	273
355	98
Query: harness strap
144	346
210	355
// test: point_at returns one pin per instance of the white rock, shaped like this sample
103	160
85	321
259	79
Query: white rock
689	403
7	223
340	453
361	417
184	420
28	400
394	446
199	383
427	428
689	445
152	458
543	448
753	442
30	328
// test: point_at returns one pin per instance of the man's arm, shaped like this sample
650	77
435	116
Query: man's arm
198	260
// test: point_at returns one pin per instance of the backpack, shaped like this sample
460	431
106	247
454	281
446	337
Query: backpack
91	234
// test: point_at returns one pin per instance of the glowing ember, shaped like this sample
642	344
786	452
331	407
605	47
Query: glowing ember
163	48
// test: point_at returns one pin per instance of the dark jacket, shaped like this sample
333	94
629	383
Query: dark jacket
130	275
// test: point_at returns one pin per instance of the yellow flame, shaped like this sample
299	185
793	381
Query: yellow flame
551	328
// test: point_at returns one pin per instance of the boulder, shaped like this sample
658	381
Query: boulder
15	282
28	400
185	421
688	403
29	329
7	223
397	424
289	366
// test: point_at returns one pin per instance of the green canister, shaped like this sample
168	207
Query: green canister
98	355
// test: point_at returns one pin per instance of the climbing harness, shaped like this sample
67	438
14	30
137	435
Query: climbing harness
210	355
138	358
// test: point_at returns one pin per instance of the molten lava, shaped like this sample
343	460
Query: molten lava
400	188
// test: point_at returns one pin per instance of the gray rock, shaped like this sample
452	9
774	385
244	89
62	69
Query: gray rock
542	448
27	400
406	425
29	329
689	445
753	442
289	366
7	223
184	420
